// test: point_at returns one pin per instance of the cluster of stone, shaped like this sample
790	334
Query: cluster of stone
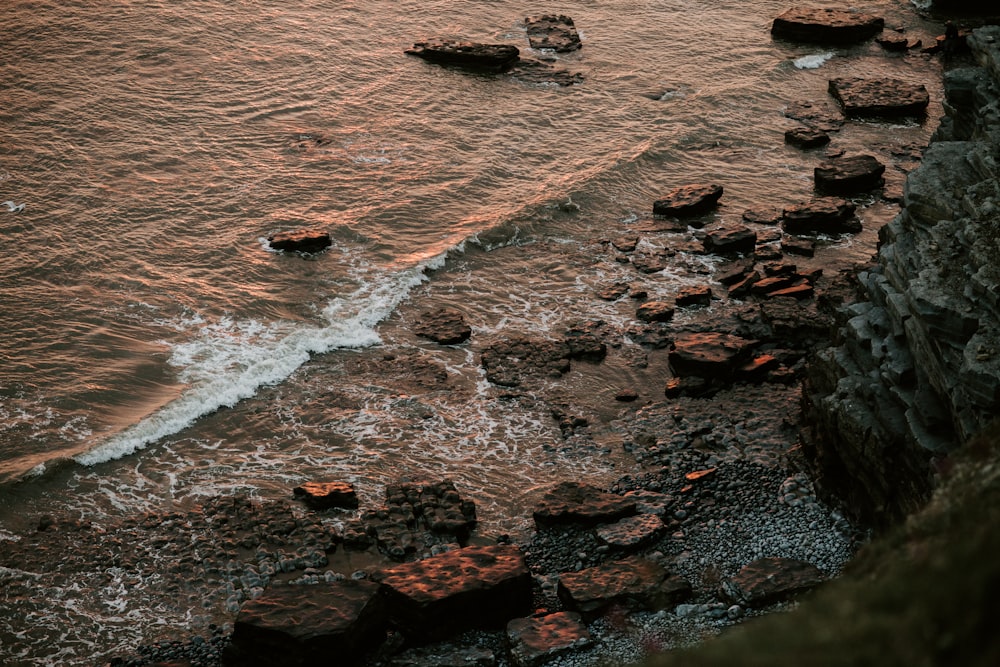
546	33
919	369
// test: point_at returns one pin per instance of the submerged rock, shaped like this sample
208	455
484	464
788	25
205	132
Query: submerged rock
443	325
557	33
473	55
829	26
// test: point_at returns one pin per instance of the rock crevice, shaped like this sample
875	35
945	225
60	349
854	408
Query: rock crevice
916	371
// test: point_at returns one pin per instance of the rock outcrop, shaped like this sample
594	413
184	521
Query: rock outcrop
827	26
918	371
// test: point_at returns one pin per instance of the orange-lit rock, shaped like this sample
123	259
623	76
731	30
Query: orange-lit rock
474	587
573	502
688	200
557	33
769	580
324	495
634	583
534	641
710	354
879	97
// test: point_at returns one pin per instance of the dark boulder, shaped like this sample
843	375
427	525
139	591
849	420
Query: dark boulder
734	240
633	583
585	340
879	97
806	137
509	362
471	55
688	200
823	215
474	587
292	625
826	26
577	503
710	355
324	495
443	325
300	240
849	175
535	641
770	580
557	33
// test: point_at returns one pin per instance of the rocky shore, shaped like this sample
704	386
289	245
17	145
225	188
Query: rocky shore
724	522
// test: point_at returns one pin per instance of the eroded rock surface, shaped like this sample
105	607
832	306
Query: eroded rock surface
849	175
301	240
633	583
830	26
573	502
534	641
472	55
879	97
557	33
688	200
769	580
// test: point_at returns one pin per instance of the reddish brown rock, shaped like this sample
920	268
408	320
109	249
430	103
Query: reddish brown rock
613	292
801	290
730	241
443	325
491	57
798	246
688	200
709	355
806	137
773	283
823	215
534	641
324	495
655	311
814	114
770	580
826	26
291	625
693	296
849	175
625	243
879	97
557	33
734	272
634	583
649	262
474	587
508	362
741	288
631	532
585	340
891	40
762	216
757	369
573	502
300	240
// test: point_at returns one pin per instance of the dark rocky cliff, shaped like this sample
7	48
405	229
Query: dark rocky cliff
916	371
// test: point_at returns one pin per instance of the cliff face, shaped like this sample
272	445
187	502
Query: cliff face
916	372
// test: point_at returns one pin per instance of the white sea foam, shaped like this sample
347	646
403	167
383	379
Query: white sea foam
230	360
813	61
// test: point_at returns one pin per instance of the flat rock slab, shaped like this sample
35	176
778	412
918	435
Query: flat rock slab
531	70
816	115
762	216
879	97
823	215
474	587
688	200
826	26
770	580
291	625
806	137
443	325
634	583
655	311
325	495
693	296
710	355
557	33
300	240
632	532
535	641
851	175
733	240
508	362
798	246
576	503
471	55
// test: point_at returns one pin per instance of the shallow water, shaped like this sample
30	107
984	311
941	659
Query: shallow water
156	353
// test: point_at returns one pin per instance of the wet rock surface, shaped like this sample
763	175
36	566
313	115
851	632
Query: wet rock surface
443	325
576	503
325	495
634	583
823	215
879	97
849	175
472	55
688	200
508	362
308	241
534	641
772	579
828	26
555	32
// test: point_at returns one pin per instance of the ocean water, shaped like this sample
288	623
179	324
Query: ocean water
156	352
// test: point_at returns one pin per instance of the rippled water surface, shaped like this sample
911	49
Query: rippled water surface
156	352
